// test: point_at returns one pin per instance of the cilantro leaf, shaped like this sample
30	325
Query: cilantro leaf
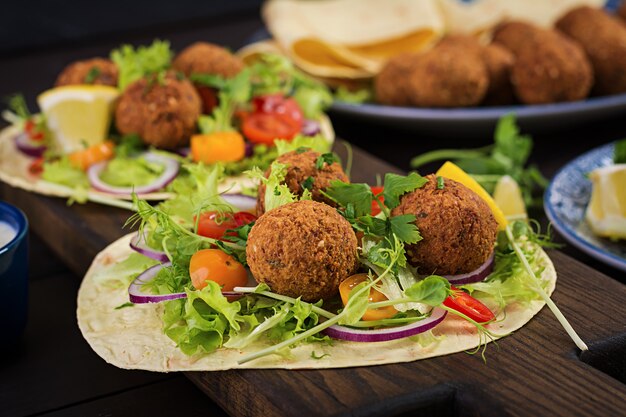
307	184
620	152
396	185
326	158
404	228
358	195
91	76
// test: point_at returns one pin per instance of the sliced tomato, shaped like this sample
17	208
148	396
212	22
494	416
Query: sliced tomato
378	192
36	167
265	128
280	105
375	296
31	130
468	305
215	225
215	265
85	158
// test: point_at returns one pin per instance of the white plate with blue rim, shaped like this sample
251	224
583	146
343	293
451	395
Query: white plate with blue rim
566	200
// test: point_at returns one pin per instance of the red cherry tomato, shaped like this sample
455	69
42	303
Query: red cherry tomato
274	117
280	105
262	128
468	305
36	167
375	207
214	225
31	129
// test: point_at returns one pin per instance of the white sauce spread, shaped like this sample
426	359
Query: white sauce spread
7	233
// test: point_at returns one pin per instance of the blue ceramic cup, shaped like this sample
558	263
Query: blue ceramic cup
13	273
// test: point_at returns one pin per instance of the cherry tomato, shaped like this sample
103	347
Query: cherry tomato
274	117
218	147
373	313
468	305
265	128
36	167
216	265
31	130
287	108
214	225
208	96
375	207
92	155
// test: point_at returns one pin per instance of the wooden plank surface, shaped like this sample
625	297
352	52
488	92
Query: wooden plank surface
534	372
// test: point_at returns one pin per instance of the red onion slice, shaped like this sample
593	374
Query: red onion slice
389	333
138	296
168	175
28	147
310	127
476	275
241	202
185	151
138	244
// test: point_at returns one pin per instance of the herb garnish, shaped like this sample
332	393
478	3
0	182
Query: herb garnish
507	156
307	184
619	156
440	183
92	75
326	158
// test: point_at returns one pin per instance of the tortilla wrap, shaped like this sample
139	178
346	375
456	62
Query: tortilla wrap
14	171
351	38
131	338
480	16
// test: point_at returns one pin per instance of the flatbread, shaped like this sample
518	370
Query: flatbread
131	338
351	38
14	171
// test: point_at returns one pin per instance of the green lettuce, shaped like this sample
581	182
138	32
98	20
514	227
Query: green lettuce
122	273
61	171
128	172
134	64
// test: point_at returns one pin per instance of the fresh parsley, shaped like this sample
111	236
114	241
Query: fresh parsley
619	156
92	75
326	158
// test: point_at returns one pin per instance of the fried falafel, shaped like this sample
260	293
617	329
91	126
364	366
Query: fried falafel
391	83
163	112
458	228
302	168
548	67
207	58
603	38
98	71
499	62
302	249
448	77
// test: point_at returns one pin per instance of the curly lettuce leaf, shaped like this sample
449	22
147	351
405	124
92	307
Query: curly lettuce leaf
134	64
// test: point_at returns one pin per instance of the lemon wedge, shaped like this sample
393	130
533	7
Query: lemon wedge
508	196
453	172
78	115
606	212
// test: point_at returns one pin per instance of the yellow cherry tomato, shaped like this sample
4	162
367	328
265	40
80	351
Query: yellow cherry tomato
375	296
215	265
92	155
218	147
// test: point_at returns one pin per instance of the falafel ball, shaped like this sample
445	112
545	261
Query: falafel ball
448	77
458	228
621	11
163	112
391	83
603	38
207	58
551	68
302	249
300	167
499	62
98	71
514	35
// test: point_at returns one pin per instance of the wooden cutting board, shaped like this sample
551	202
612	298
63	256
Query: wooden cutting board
535	372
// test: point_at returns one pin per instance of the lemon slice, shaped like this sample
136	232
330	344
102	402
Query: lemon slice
78	115
606	212
453	172
508	197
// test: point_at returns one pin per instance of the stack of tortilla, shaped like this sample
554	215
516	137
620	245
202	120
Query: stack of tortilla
341	41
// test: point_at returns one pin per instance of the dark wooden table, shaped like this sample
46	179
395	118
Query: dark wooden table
536	371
